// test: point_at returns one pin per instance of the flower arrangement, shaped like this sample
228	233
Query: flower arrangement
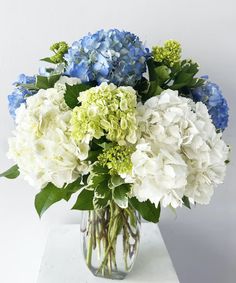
130	130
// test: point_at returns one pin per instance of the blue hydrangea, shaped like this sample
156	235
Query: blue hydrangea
211	95
108	56
18	94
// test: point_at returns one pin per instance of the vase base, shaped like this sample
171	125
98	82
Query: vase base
115	275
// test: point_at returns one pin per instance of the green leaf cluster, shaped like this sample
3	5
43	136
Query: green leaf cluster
179	76
50	194
102	188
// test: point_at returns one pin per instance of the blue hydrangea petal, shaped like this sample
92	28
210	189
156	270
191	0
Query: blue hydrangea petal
211	95
18	95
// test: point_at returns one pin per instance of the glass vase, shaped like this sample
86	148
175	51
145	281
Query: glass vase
110	240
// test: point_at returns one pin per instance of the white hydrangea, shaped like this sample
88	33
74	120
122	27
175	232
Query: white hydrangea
42	145
179	152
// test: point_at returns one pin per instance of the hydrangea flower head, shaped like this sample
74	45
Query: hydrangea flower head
179	152
59	48
112	56
106	110
42	145
17	97
117	159
168	54
211	95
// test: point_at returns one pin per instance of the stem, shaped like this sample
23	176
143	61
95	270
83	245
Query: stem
127	225
90	243
103	229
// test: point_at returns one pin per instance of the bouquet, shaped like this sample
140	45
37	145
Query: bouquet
127	129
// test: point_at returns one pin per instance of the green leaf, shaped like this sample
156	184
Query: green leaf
102	195
142	85
47	197
105	145
115	181
11	173
147	209
183	74
48	60
196	82
102	190
72	93
162	74
154	89
72	188
29	87
99	203
120	195
99	169
186	202
93	154
98	179
151	69
84	201
46	82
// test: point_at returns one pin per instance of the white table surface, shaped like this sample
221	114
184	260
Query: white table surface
63	261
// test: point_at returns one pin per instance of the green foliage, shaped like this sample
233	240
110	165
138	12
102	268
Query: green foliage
46	82
72	188
102	188
120	195
47	59
99	181
186	202
147	209
84	200
72	93
51	194
177	76
142	85
47	197
182	75
11	173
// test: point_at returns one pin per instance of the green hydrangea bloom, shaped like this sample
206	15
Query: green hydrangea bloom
106	110
168	54
117	159
59	48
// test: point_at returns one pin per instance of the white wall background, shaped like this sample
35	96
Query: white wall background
202	241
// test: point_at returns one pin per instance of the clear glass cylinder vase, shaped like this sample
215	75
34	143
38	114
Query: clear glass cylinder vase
110	240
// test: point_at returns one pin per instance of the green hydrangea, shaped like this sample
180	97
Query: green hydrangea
106	110
117	159
168	54
59	48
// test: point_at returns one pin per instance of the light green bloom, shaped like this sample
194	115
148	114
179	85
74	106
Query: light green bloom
117	159
106	110
168	54
59	48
